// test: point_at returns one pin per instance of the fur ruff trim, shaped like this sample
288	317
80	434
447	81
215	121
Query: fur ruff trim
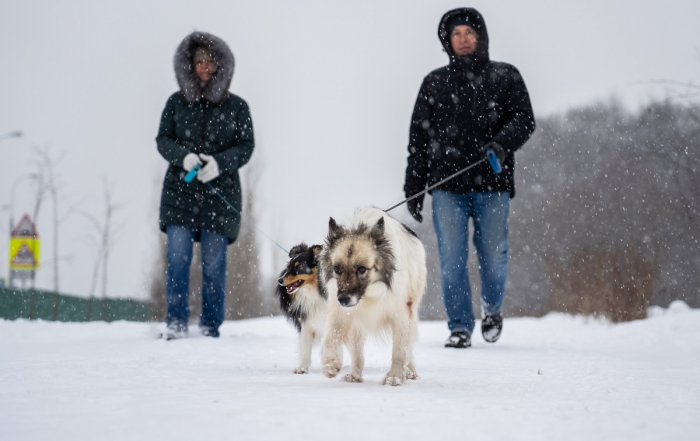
214	91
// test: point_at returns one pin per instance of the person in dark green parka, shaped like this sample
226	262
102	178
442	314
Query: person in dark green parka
202	124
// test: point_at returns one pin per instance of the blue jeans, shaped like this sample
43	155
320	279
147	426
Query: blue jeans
451	213
180	241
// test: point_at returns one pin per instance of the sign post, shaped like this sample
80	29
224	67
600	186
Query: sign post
24	251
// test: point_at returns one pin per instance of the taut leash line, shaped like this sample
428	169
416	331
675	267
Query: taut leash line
190	176
435	185
490	157
241	214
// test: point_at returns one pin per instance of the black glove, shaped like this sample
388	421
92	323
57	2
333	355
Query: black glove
414	208
497	149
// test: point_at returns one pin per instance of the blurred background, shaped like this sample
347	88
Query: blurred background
605	221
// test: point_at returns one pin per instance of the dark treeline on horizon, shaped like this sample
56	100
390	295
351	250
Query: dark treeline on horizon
606	218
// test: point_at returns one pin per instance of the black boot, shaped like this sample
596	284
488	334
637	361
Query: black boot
491	327
458	339
210	332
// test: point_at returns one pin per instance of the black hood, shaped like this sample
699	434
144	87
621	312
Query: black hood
193	90
478	57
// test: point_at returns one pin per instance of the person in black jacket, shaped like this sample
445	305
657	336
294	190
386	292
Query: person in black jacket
202	124
464	109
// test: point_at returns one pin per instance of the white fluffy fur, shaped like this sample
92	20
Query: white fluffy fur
381	309
311	302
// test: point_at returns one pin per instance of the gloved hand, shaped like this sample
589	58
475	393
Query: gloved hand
414	208
190	161
497	149
210	170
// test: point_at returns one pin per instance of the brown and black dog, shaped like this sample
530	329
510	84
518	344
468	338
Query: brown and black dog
303	299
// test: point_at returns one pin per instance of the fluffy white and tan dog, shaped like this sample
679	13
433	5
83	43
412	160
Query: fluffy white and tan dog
375	273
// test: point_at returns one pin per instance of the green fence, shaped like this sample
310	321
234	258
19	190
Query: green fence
44	305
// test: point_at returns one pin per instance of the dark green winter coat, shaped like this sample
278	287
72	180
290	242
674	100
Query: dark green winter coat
204	118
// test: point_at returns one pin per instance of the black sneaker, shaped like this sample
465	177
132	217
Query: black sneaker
491	327
458	339
210	332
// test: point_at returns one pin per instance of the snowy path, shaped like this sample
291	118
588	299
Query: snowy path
553	378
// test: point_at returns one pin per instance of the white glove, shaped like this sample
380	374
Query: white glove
190	161
210	171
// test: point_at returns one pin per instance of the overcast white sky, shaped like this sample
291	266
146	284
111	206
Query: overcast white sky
331	86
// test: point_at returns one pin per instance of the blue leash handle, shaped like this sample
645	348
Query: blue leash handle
493	161
191	175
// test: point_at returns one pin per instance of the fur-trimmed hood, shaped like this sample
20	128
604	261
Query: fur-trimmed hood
193	90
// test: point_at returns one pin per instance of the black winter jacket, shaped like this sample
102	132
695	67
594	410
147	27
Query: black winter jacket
204	118
460	108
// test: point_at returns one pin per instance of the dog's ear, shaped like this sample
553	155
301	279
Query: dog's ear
293	252
316	250
386	262
298	249
332	225
378	230
334	230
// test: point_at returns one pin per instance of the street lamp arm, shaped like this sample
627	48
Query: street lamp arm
15	134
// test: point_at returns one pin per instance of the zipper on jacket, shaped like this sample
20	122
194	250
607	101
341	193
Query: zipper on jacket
202	139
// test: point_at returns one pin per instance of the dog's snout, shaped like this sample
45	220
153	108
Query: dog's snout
280	281
345	300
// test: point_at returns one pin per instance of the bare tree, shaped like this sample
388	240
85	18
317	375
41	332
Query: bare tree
39	197
678	89
247	294
48	185
606	210
104	244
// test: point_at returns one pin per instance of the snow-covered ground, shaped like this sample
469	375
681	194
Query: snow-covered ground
553	378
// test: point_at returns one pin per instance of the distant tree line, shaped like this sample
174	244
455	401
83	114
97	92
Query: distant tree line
606	219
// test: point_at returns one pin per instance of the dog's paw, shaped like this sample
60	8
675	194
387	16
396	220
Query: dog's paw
301	370
395	377
331	368
393	381
411	375
352	378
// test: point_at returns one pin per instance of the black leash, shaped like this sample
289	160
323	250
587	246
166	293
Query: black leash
439	183
490	156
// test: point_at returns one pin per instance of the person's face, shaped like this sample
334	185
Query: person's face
463	40
204	69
